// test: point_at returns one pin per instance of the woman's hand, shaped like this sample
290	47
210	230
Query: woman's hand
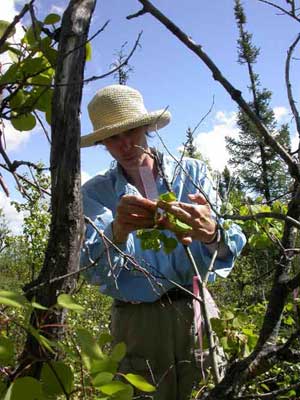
197	216
133	213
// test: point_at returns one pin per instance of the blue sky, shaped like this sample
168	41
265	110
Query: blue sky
169	75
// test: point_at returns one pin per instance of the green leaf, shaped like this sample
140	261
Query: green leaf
246	351
236	323
88	344
51	55
105	365
217	326
264	386
51	19
88	51
13	55
6	350
32	36
57	378
18	99
139	382
168	197
13	299
24	388
289	320
33	66
41	79
42	340
104	339
102	378
24	122
66	301
4	47
113	387
224	343
169	244
11	75
118	352
181	226
3	389
38	306
259	241
125	394
3	26
49	115
228	315
44	98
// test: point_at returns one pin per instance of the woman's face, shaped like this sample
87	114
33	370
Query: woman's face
127	147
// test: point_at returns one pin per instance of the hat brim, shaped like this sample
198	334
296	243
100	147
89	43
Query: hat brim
154	120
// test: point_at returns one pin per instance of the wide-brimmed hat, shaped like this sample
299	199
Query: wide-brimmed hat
118	108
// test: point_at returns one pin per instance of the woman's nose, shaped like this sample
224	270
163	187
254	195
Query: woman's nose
125	141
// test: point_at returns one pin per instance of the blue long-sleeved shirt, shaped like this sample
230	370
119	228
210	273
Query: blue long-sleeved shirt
115	274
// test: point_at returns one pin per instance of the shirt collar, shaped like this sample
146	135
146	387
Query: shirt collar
122	186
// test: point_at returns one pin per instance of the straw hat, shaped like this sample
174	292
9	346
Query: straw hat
118	108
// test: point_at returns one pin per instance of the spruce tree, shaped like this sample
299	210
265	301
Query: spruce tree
260	169
190	150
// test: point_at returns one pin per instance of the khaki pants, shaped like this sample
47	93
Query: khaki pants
159	345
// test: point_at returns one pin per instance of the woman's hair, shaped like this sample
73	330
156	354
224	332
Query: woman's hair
148	134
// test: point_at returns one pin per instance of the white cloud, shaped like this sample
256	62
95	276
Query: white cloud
85	177
56	9
13	138
8	12
280	113
13	218
294	141
211	144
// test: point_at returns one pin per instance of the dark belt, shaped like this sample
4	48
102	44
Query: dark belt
171	295
176	294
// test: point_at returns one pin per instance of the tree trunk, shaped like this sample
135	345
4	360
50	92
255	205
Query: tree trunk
62	255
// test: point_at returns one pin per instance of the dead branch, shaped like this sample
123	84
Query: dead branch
291	13
289	86
4	186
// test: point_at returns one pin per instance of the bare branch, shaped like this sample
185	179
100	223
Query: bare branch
291	13
289	86
42	125
138	14
4	186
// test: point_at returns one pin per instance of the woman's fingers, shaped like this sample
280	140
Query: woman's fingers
198	198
